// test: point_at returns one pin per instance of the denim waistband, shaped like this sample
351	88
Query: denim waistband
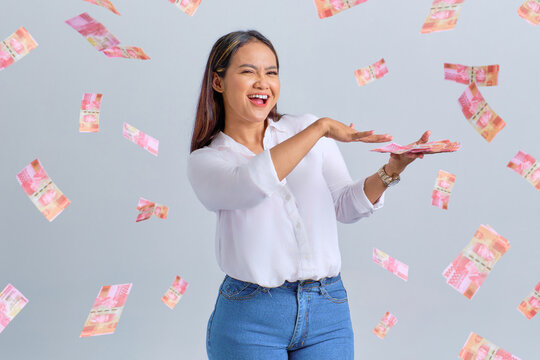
311	283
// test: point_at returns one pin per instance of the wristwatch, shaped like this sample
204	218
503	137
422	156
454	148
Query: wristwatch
388	180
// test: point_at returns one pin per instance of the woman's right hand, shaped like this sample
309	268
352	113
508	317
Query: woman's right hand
339	131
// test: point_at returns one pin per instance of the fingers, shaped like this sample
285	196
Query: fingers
375	138
424	138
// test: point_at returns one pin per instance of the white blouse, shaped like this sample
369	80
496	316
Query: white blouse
269	231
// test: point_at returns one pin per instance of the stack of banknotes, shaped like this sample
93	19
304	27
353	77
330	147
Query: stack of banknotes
11	303
89	115
102	39
140	138
175	292
387	322
530	11
472	266
443	15
107	4
432	147
148	208
477	348
15	47
526	166
443	188
43	193
327	8
370	73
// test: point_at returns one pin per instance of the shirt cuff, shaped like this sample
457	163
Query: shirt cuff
263	173
361	201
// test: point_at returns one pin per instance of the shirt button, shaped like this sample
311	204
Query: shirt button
298	225
287	197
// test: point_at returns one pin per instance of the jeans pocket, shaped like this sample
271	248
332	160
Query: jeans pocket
335	292
234	289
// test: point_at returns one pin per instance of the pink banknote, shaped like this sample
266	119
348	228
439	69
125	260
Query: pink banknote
479	113
443	188
478	348
93	31
106	311
443	15
387	322
530	11
531	305
187	6
526	166
431	147
89	116
106	4
128	52
11	303
44	194
16	46
472	266
148	208
391	264
327	8
487	75
370	73
175	292
143	140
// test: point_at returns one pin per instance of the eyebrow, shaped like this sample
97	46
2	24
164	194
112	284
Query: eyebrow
254	67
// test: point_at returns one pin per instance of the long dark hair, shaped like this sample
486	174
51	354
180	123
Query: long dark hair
210	117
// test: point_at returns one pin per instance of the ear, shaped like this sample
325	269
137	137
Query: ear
217	82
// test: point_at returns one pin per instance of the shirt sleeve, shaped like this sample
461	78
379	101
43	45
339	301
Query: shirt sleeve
350	200
222	184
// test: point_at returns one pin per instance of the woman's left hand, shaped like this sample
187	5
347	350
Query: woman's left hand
398	163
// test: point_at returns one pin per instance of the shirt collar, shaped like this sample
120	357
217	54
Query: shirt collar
222	140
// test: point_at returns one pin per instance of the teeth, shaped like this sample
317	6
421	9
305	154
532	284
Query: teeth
258	96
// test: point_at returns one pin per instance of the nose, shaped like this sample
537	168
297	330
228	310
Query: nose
261	82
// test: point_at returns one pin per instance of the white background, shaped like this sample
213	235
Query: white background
60	266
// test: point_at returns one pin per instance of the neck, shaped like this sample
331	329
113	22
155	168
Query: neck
247	133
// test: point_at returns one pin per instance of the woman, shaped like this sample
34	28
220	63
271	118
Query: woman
277	183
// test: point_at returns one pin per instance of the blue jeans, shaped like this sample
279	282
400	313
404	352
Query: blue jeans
305	319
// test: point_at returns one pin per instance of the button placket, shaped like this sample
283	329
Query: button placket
299	230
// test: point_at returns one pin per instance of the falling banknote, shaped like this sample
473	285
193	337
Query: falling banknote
530	306
386	323
443	188
89	116
443	15
477	347
526	166
487	75
175	292
94	31
432	147
148	208
391	264
530	11
327	8
105	3
472	266
370	73
128	52
45	195
143	140
16	46
187	6
106	311
479	114
11	303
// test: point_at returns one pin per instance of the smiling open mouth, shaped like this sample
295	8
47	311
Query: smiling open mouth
259	101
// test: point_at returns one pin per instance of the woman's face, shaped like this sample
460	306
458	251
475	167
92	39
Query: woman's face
252	71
